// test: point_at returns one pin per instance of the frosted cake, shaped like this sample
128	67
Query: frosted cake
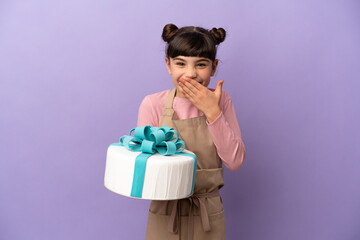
163	175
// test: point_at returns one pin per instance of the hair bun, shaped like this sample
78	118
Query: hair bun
168	32
219	34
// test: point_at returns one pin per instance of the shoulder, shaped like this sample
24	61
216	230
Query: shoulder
225	99
157	97
151	108
225	96
155	100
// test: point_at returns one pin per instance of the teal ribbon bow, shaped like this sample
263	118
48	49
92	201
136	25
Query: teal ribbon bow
149	140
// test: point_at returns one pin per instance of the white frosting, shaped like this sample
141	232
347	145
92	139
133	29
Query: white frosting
166	177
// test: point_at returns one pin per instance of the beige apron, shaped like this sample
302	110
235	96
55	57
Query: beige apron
202	215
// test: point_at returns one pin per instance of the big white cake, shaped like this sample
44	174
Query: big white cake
166	177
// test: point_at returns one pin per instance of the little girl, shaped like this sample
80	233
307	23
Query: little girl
205	119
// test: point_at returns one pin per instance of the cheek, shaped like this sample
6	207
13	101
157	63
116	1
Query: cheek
176	75
206	74
174	79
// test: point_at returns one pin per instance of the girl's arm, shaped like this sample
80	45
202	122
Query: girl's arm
221	118
224	129
227	136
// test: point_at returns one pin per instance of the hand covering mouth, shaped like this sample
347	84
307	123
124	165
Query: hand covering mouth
201	82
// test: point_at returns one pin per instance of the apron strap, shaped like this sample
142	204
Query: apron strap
168	107
170	99
196	201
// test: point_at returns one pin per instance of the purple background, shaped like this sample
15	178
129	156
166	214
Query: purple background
72	76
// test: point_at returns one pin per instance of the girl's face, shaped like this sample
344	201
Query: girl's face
199	69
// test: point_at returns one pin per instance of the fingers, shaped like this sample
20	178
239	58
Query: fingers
186	90
188	86
219	85
192	87
192	84
218	90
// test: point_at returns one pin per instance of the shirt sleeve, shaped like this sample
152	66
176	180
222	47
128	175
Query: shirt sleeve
147	115
226	135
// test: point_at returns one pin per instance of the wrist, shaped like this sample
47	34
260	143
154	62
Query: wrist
213	115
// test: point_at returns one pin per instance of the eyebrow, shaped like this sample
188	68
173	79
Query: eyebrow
200	60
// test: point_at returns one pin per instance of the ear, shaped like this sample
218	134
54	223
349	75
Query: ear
167	61
214	66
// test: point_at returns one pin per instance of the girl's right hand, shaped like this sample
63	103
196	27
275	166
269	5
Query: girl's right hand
203	98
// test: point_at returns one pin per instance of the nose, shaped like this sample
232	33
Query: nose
191	72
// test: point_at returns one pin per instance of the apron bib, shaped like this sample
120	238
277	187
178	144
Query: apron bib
200	216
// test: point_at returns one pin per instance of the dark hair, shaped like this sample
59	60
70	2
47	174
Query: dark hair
192	41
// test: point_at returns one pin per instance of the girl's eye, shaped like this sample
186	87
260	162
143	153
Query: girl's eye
180	64
202	65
